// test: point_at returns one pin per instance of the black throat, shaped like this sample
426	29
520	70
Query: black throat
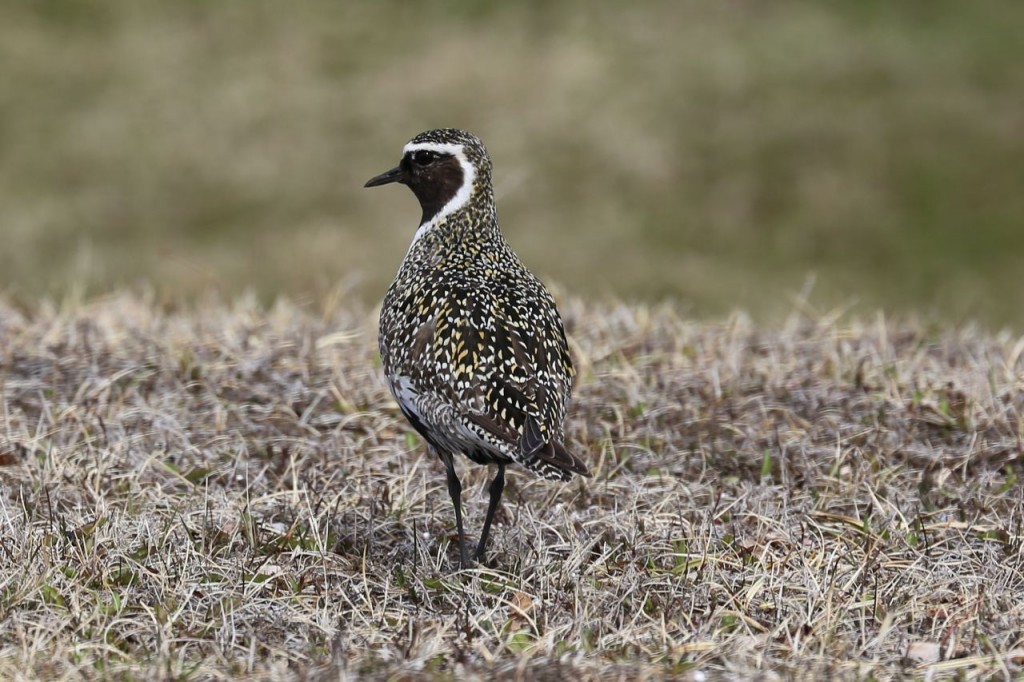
436	186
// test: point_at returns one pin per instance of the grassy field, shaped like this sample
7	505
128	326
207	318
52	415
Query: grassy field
711	153
229	491
202	475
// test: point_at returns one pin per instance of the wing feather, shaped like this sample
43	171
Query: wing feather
510	373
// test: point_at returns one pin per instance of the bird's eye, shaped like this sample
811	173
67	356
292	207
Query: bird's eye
424	158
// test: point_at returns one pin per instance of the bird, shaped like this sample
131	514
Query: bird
471	342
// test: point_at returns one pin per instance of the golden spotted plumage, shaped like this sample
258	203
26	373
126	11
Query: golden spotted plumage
471	342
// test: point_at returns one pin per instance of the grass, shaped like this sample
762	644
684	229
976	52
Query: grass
197	483
224	490
709	153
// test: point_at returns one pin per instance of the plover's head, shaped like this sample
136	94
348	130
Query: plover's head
444	168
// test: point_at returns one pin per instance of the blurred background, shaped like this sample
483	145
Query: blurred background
720	154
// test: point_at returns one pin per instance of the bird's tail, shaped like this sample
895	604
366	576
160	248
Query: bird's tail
549	458
555	462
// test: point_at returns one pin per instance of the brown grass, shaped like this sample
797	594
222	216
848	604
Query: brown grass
228	491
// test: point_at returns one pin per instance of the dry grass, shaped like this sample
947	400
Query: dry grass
227	491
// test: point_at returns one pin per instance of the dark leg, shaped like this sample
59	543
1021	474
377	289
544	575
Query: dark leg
496	488
455	491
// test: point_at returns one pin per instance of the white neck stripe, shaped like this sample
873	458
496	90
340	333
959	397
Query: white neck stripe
461	197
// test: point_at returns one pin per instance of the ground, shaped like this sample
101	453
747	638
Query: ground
223	490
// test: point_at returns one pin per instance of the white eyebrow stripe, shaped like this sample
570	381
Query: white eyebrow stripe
461	197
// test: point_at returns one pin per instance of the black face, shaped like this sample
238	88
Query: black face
434	177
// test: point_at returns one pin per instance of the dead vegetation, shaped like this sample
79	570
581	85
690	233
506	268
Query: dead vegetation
229	491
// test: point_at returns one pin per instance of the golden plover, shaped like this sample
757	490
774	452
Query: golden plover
472	344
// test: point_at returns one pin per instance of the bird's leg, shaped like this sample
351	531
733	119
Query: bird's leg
496	488
455	491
